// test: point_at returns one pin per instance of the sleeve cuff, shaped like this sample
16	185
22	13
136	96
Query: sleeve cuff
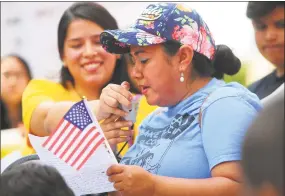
224	158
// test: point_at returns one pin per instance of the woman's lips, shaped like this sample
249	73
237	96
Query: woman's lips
93	67
144	90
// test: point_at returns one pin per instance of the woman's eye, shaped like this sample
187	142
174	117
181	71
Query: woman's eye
144	61
260	27
75	46
280	24
97	42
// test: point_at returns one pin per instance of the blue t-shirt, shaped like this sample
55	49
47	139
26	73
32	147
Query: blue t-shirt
171	142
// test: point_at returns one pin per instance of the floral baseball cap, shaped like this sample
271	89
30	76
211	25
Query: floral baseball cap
161	22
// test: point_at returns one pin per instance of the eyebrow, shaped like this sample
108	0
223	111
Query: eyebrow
78	39
257	21
136	53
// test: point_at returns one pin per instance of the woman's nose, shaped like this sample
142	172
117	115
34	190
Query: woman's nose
89	50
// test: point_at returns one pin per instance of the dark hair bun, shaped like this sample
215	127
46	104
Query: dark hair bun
225	61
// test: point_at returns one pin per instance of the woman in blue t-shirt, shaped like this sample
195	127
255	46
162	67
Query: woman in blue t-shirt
191	145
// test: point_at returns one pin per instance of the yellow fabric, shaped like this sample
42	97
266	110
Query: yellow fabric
143	111
39	91
7	149
12	140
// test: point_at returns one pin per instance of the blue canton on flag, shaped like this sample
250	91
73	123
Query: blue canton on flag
78	116
76	138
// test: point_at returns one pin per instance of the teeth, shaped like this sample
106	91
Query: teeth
92	66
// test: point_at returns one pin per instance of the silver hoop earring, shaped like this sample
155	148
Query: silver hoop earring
182	77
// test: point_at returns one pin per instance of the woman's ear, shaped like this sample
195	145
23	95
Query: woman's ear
63	61
64	64
185	55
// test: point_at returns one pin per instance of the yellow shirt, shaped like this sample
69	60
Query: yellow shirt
39	91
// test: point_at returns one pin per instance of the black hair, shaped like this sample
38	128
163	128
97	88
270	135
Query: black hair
22	160
224	62
256	9
263	148
90	11
34	158
22	61
34	179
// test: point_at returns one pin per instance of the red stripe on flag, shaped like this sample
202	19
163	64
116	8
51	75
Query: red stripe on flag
85	148
49	138
91	152
59	136
70	144
64	140
82	140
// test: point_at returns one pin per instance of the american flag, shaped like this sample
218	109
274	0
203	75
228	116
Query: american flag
76	137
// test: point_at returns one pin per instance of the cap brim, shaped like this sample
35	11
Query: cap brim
119	41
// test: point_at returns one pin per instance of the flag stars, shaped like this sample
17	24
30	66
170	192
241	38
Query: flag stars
79	115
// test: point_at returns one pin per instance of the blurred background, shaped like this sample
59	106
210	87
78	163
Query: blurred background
30	28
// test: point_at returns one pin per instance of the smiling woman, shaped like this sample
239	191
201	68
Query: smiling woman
86	69
85	58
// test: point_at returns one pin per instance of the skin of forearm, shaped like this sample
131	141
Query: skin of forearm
47	115
216	186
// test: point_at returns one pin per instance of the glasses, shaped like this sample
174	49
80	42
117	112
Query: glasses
16	75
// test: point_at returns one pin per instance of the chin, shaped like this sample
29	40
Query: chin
94	82
276	62
156	102
151	101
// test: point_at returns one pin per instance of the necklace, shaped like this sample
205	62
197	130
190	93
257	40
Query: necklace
79	95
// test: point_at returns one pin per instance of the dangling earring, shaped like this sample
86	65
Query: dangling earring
182	77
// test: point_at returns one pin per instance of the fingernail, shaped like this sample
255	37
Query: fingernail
131	98
130	123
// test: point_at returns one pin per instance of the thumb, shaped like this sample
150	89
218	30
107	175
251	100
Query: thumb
126	85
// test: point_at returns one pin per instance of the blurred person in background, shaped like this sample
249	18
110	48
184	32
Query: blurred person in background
190	145
33	179
263	152
15	76
268	23
87	69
